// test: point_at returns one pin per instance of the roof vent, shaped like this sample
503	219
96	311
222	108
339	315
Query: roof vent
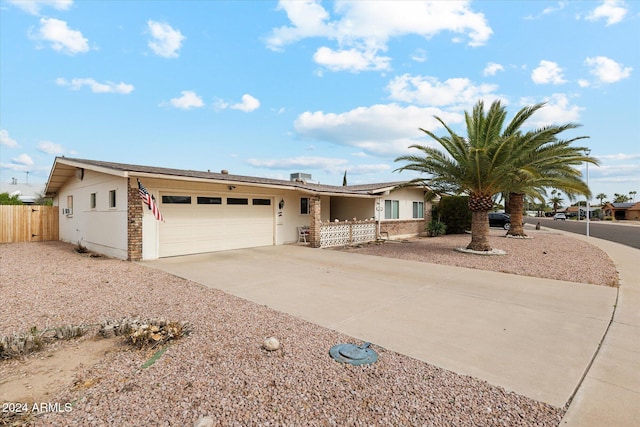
224	172
354	354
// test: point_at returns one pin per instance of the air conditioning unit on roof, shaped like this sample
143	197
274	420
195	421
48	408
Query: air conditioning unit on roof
299	176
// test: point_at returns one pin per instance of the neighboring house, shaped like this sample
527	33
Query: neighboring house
622	210
100	207
572	211
27	193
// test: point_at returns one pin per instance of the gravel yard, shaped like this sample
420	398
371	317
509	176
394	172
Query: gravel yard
548	255
221	371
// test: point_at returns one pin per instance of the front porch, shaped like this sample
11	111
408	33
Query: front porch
342	225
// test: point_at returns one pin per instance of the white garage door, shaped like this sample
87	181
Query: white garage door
206	223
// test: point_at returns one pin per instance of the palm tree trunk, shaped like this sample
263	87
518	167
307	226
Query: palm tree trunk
479	231
516	205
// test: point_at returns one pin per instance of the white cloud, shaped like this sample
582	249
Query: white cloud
363	29
50	148
353	60
380	129
492	68
420	55
326	164
23	160
188	100
302	162
426	90
548	10
583	83
62	38
552	9
34	6
547	72
166	41
607	70
558	110
6	140
96	87
620	156
248	104
611	10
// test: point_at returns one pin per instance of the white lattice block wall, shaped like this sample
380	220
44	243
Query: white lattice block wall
346	233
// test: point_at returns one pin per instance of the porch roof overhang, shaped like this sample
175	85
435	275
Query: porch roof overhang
65	168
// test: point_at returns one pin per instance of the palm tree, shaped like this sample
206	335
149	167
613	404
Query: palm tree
556	201
545	161
632	195
620	198
601	197
491	160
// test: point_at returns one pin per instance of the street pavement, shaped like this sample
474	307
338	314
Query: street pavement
625	232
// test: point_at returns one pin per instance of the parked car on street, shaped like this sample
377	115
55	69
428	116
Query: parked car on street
559	216
498	219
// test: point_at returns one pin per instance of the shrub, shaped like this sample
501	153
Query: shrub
436	228
454	212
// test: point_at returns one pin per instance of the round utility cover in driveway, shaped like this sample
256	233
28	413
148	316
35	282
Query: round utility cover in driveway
353	354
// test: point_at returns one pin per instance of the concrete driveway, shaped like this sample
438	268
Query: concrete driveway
532	336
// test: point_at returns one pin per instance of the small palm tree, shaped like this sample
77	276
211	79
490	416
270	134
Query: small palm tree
556	202
601	197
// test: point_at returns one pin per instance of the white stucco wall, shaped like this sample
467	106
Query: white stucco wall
405	198
101	229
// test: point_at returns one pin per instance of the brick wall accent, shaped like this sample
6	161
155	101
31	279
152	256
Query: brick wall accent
402	227
134	223
316	219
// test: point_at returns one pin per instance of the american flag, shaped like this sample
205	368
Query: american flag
149	201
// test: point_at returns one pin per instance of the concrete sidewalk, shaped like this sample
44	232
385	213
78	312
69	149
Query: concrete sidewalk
532	336
610	392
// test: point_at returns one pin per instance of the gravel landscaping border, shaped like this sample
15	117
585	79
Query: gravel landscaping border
221	370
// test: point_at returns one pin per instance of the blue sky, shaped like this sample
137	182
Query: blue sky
268	88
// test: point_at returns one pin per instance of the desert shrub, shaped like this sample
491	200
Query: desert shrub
454	212
436	228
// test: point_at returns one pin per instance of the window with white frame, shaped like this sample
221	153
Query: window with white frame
391	209
112	198
69	209
304	206
418	210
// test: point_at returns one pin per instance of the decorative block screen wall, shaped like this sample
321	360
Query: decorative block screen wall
347	233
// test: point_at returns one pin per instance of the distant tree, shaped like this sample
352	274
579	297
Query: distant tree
556	202
601	197
344	179
620	198
6	199
632	195
42	200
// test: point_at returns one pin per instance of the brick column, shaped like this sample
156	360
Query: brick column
134	223
316	219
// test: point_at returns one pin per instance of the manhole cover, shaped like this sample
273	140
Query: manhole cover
354	354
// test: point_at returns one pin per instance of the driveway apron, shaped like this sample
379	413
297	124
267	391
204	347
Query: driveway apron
533	336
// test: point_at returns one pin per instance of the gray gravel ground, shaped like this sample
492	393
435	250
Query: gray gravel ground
547	254
220	370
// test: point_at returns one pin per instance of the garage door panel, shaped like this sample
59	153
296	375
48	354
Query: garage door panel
206	228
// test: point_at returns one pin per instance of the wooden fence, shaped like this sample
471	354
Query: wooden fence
28	223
